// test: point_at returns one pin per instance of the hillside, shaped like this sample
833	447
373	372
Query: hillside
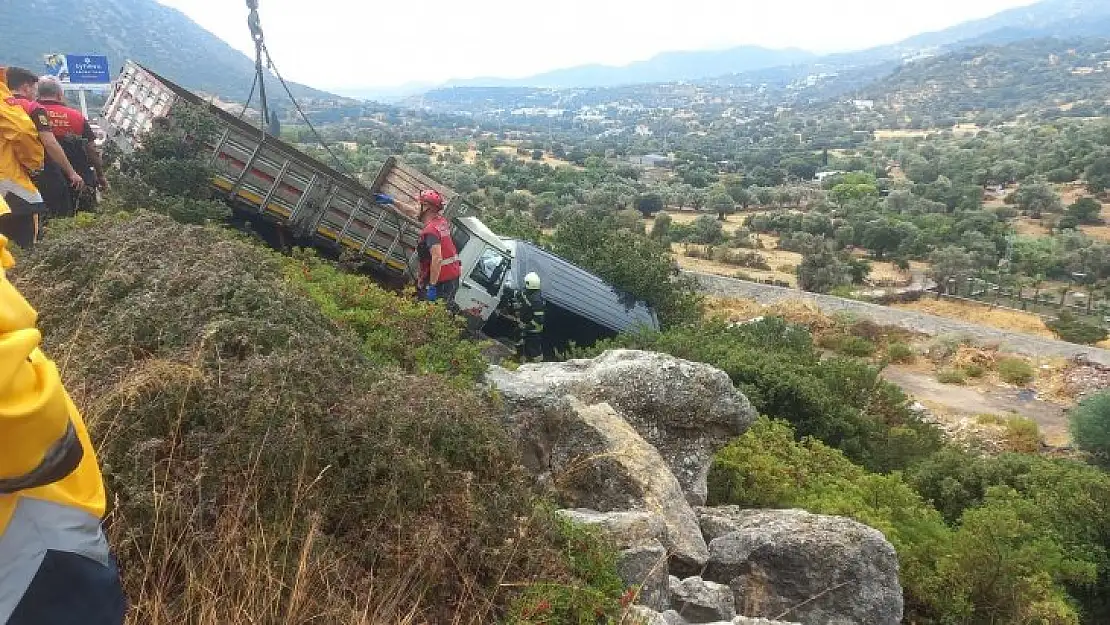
1048	76
159	37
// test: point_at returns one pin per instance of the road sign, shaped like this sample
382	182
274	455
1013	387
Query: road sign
79	69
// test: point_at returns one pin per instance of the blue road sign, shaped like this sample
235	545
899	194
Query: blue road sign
79	69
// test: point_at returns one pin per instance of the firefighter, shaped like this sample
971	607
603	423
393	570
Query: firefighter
531	310
21	155
55	564
75	134
440	268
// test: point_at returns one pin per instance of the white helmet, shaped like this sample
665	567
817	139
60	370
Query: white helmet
532	281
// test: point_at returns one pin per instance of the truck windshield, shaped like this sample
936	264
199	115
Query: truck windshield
490	270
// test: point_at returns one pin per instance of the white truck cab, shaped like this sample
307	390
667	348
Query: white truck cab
486	262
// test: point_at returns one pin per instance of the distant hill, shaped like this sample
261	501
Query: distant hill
1050	18
1047	77
665	67
145	31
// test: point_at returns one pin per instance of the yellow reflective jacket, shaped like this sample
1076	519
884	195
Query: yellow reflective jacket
36	414
21	150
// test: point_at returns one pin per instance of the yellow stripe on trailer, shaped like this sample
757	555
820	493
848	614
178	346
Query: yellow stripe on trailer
253	198
332	235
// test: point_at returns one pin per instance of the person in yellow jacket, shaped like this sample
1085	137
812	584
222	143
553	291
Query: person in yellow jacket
21	155
55	564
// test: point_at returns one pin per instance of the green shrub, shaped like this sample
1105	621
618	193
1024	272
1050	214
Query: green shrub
856	347
1022	434
974	370
1090	425
900	353
1009	556
1015	371
951	376
1068	328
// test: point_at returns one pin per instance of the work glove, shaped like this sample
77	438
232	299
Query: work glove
431	292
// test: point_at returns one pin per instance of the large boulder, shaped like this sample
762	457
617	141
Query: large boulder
642	560
700	601
592	458
686	410
817	570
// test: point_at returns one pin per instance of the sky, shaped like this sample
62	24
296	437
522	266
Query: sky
345	44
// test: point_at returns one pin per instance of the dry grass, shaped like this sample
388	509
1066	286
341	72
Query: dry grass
1002	319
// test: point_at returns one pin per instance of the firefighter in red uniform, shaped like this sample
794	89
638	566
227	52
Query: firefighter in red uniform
77	139
440	268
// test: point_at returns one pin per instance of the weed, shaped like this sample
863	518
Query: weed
1015	371
951	376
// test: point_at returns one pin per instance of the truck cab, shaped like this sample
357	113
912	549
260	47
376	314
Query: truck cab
486	262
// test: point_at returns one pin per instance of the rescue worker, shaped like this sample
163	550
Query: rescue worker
21	154
55	564
440	268
59	175
531	313
75	134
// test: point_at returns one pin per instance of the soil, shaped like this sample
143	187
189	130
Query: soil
969	402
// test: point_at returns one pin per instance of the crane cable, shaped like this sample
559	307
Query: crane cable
254	22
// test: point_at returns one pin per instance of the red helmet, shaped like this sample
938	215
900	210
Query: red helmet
432	198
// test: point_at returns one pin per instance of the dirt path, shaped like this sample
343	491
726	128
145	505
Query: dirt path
962	401
933	325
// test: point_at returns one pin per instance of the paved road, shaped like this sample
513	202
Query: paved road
924	323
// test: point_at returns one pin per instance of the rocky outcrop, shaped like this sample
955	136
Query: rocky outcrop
625	443
684	409
700	601
818	570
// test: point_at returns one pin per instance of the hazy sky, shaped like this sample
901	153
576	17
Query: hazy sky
362	43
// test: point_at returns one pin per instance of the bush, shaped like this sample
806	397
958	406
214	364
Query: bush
1015	371
854	346
975	371
1068	328
1002	544
900	353
1090	425
951	376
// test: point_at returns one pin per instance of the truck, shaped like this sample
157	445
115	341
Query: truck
307	202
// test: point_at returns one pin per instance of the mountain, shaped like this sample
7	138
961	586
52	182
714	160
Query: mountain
1045	77
665	67
159	37
1049	18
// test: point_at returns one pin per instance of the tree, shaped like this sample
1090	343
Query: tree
661	228
821	271
707	231
537	155
721	203
519	200
950	263
1098	175
1086	210
882	236
1036	198
649	203
847	191
1089	423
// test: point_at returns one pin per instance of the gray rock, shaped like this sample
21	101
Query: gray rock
594	459
646	567
699	601
687	410
639	615
674	618
817	570
626	529
747	620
